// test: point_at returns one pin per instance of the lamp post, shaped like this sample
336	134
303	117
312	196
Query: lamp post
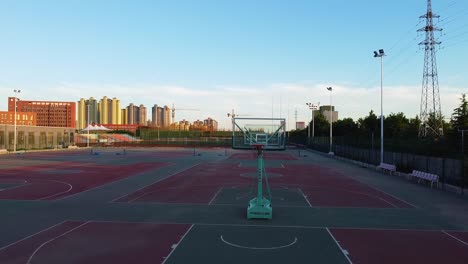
331	121
380	55
462	131
14	137
87	142
312	107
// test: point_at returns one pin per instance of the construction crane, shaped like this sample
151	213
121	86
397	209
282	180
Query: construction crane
173	109
232	115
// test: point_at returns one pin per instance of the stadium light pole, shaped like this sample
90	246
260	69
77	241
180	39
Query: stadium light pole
14	137
331	121
308	127
380	55
313	107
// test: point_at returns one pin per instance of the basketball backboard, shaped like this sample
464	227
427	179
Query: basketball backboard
270	132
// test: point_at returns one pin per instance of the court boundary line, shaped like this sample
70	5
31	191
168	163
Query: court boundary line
339	246
178	243
199	187
53	239
305	197
234	204
389	194
369	195
270	226
157	181
365	183
26	183
112	182
454	237
215	195
35	234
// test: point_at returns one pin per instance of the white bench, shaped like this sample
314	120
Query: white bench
387	167
3	151
420	175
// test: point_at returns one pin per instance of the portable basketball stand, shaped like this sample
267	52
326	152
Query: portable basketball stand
260	207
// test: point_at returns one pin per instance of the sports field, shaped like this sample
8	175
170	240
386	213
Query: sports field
176	205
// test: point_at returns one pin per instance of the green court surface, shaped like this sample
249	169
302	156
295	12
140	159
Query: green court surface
167	205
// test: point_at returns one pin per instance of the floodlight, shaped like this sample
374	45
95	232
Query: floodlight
381	51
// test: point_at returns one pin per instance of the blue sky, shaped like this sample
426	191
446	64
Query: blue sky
219	55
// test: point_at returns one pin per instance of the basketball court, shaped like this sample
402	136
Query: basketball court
151	205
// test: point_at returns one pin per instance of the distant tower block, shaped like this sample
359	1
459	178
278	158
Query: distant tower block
431	114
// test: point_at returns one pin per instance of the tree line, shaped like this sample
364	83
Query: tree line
401	133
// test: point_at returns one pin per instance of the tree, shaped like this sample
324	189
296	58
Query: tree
413	127
396	125
370	123
322	126
460	115
345	127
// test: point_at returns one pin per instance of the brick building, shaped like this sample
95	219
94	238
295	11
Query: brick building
49	114
22	118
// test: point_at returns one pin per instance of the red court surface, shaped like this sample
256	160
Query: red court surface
97	242
252	155
403	246
198	185
325	187
320	186
58	180
162	154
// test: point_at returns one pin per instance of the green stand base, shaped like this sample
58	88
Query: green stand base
259	210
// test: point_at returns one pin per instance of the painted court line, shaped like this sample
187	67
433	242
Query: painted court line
305	197
258	225
158	180
174	247
378	189
456	238
14	187
345	252
21	240
353	192
69	189
215	195
389	194
50	240
258	248
382	199
105	184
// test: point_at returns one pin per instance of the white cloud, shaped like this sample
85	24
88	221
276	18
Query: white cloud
282	99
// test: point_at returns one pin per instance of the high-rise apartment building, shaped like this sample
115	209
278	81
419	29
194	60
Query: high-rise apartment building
142	115
106	111
50	114
104	108
124	116
154	116
211	124
166	116
132	112
84	118
81	114
116	112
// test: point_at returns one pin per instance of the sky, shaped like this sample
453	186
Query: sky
261	58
